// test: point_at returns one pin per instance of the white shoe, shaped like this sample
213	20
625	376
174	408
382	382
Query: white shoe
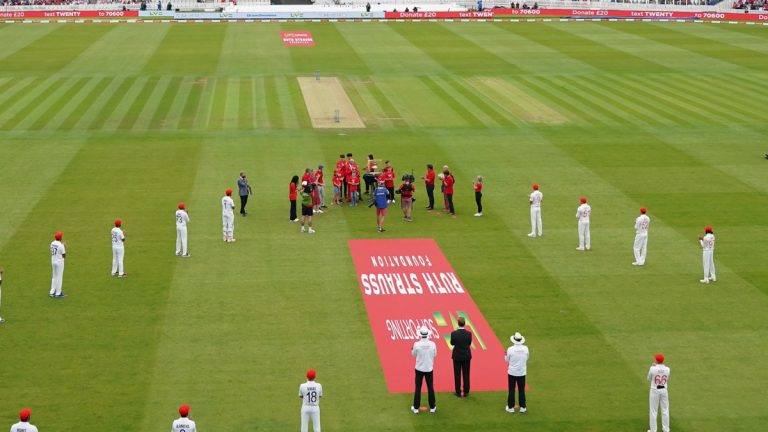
232	240
579	248
319	211
226	239
522	410
635	263
432	410
295	220
509	410
414	410
302	229
311	231
478	214
706	281
713	279
531	235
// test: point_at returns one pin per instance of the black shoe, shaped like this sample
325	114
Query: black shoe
457	394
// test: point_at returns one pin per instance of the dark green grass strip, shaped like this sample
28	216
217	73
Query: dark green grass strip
219	104
31	105
158	119
9	97
274	112
548	92
57	105
449	100
757	84
386	105
748	96
192	49
245	109
8	84
189	112
299	107
719	106
81	108
567	85
477	101
133	113
635	114
111	104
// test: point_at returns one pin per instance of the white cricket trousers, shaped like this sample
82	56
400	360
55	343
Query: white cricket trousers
57	277
659	397
228	224
708	259
584	234
117	260
641	244
536	220
181	240
307	413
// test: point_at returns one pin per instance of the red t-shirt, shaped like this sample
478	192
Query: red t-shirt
292	191
429	179
353	182
307	178
389	178
478	187
319	178
449	180
337	181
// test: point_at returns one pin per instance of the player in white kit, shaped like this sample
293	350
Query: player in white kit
228	216
58	253
535	200
708	247
182	219
582	214
118	249
658	376
641	237
183	423
310	393
23	425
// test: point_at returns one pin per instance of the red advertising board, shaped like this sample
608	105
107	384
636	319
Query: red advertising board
575	13
297	38
69	14
407	284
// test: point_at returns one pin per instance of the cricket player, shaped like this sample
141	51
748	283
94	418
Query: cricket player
310	393
228	216
658	376
182	219
641	237
1	292
708	247
118	249
58	253
535	201
183	423
425	352
23	425
582	214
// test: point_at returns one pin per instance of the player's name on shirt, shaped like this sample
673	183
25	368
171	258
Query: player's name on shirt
438	283
400	261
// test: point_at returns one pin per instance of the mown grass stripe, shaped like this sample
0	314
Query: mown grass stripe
496	114
717	105
218	104
131	104
454	104
60	105
205	107
272	102
36	110
593	102
245	118
283	91
373	113
232	104
634	114
563	100
71	107
757	84
27	102
389	110
750	94
98	117
300	112
15	92
261	115
171	119
192	103
6	83
151	106
167	101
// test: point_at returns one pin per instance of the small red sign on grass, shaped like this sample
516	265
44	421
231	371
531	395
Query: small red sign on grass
297	38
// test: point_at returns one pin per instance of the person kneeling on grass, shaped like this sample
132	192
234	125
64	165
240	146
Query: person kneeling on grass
306	206
406	198
380	200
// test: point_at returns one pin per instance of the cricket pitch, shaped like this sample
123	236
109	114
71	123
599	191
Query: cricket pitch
323	97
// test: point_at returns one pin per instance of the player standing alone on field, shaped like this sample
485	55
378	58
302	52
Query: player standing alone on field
182	219
534	199
228	216
118	249
183	423
310	393
641	237
517	359
58	254
23	425
658	376
708	247
478	184
425	352
582	214
245	190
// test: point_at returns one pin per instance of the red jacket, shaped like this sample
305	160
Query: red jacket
429	179
449	180
292	191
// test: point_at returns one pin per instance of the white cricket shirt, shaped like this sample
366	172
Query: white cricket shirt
227	205
182	218
310	393
183	424
23	427
425	352
517	359
642	223
708	242
535	198
658	375
57	252
583	212
117	237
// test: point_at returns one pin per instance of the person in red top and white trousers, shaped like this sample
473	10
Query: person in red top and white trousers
292	197
429	183
320	185
448	180
479	195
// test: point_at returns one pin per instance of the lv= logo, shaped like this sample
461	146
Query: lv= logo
453	325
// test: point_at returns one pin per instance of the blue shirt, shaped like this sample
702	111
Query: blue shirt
380	197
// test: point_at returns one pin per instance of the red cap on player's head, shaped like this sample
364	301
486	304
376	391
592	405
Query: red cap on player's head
24	414
311	374
535	187
708	229
58	235
642	210
118	222
583	200
182	206
184	410
659	358
228	192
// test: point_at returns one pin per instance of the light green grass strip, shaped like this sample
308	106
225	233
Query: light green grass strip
555	96
285	102
232	104
593	102
124	112
271	102
167	99
261	117
170	119
73	103
151	105
457	102
56	104
218	103
13	93
634	101
628	112
23	103
245	114
483	102
95	113
189	112
46	103
18	37
205	107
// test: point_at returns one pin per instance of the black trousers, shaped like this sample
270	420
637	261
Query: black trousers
461	368
520	381
391	192
431	196
479	201
449	198
243	202
293	210
421	376
345	188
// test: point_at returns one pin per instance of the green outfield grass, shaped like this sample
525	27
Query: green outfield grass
99	121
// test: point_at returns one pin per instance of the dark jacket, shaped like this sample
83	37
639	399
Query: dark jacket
461	339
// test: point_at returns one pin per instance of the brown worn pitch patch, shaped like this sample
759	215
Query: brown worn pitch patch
323	97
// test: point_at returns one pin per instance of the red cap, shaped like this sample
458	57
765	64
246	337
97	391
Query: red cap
708	229
642	210
228	192
583	200
311	374
58	235
24	414
659	358
182	206
118	222
184	410
535	187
